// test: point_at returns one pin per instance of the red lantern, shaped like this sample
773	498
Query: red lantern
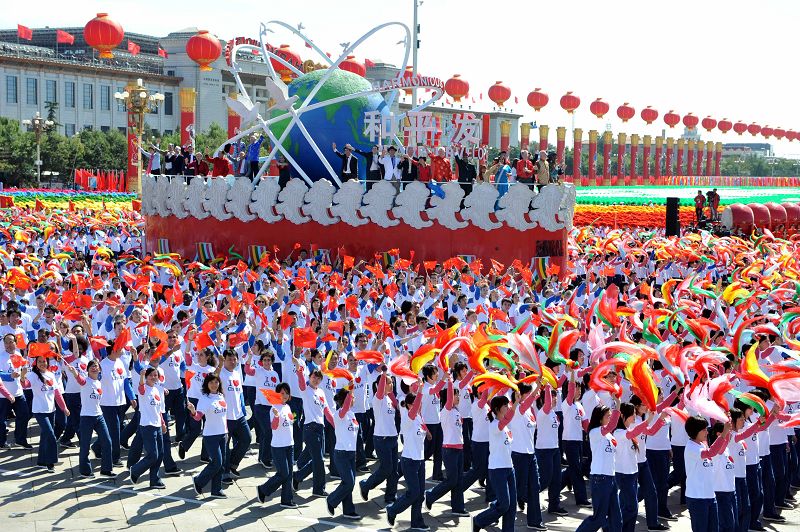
740	127
709	123
690	121
779	133
351	65
570	102
724	125
103	34
791	135
598	108
285	53
203	49
499	93
537	99
753	129
649	114
672	118
625	112
766	132
456	87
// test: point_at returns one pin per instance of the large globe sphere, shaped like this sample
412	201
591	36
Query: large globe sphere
341	122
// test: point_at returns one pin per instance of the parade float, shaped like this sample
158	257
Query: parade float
209	217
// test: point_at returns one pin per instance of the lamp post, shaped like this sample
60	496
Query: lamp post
138	101
38	125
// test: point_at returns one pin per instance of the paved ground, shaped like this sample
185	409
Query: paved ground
32	500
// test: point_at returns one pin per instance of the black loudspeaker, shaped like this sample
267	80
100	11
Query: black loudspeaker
672	223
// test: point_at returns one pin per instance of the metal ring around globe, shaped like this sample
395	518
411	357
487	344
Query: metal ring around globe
306	105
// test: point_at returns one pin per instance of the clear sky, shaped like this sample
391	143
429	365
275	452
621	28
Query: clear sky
731	58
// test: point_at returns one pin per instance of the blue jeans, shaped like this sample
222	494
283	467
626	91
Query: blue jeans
216	446
480	468
414	473
263	433
703	513
780	462
659	466
364	435
454	465
128	430
574	452
312	458
239	433
549	461
298	426
346	466
283	459
48	452
727	513
193	429
73	402
466	434
605	506
88	425
175	405
647	492
111	415
153	443
756	493
433	448
628	501
526	471
22	413
768	485
679	470
505	488
137	446
742	505
386	451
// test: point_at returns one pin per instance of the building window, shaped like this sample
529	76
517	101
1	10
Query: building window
50	91
88	96
168	103
105	129
167	132
32	91
121	103
11	89
69	94
87	127
69	130
105	97
170	73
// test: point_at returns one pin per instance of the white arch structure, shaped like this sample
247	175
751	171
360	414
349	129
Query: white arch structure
294	115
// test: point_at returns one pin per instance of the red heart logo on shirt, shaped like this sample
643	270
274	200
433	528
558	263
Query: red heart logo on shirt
358	379
156	397
274	379
235	383
53	368
119	371
82	366
161	378
177	359
223	404
49	382
99	391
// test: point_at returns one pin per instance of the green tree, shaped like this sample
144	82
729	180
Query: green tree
17	153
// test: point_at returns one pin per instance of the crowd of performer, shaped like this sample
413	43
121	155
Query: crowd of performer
648	363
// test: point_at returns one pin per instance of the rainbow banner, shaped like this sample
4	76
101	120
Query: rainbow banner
163	246
205	252
256	253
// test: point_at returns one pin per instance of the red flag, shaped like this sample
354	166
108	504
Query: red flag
305	337
39	205
134	48
348	262
24	32
62	37
368	63
162	53
123	339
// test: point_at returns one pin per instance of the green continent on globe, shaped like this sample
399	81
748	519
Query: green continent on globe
341	122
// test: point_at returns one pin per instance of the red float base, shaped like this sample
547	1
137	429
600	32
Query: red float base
433	243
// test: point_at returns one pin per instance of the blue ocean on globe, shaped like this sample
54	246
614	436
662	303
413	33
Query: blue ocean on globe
341	122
